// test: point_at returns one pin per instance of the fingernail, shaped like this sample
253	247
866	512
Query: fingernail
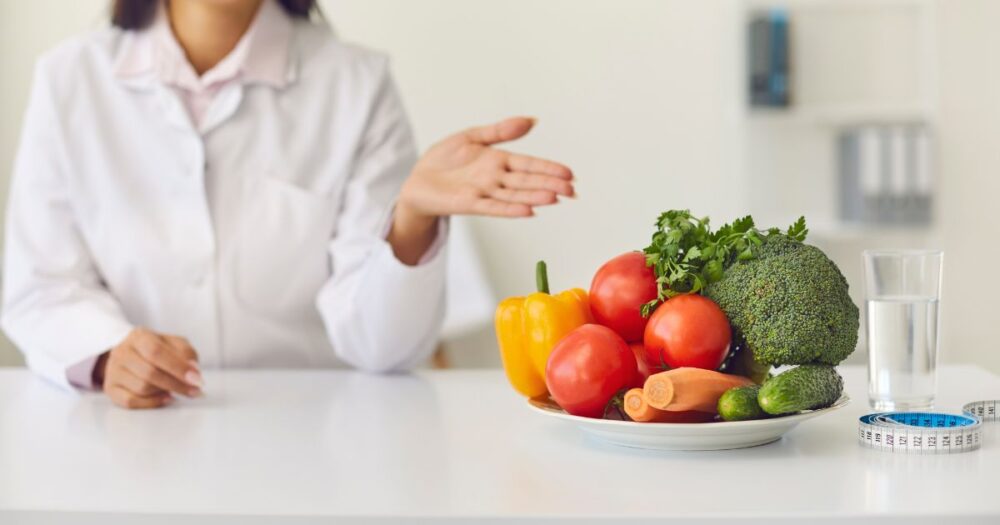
194	378
532	119
195	392
168	400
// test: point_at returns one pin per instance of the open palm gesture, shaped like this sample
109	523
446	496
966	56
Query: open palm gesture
465	175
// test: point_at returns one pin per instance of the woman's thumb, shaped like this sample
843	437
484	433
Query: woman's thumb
506	130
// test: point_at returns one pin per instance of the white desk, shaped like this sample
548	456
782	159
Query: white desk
310	445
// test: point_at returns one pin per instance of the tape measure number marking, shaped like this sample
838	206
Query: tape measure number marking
984	410
920	432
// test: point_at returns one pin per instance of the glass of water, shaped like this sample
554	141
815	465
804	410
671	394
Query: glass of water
902	294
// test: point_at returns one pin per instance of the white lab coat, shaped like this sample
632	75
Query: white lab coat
260	237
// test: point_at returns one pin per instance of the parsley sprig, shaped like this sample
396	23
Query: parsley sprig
686	255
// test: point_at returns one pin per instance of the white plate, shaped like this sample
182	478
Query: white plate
718	435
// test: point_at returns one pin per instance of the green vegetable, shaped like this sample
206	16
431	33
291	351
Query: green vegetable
804	387
740	404
790	303
686	255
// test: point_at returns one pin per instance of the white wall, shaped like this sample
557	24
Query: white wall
970	166
639	97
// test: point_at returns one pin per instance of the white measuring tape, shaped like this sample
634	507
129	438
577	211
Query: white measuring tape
984	410
927	432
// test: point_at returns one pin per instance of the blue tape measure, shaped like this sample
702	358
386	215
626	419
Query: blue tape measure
927	432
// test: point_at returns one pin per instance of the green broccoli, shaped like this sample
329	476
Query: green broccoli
790	303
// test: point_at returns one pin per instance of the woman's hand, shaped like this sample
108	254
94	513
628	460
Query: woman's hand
464	175
145	369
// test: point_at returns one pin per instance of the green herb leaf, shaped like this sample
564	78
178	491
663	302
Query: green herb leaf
686	255
798	231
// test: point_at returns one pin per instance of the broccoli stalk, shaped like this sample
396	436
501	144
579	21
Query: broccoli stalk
740	361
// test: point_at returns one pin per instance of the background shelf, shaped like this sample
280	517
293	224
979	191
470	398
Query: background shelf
850	63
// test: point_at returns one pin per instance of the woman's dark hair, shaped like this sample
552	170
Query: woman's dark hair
137	14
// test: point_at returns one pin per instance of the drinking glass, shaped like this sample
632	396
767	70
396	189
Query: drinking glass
902	297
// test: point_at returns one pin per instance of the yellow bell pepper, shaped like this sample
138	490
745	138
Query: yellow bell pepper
528	328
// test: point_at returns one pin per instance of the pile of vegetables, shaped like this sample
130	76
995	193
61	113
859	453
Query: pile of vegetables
687	329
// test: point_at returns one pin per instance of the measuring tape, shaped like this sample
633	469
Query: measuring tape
983	410
927	432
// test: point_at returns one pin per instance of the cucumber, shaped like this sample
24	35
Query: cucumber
804	387
740	404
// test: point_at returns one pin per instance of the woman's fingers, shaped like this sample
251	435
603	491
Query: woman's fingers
529	164
136	385
464	174
137	366
122	397
163	356
187	353
497	208
531	189
529	197
532	181
183	347
146	368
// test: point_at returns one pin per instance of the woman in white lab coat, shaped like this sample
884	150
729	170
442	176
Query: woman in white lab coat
223	183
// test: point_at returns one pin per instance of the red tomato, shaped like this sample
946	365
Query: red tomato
587	368
687	330
618	290
643	369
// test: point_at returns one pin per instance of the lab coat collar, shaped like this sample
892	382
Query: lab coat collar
264	55
133	64
268	58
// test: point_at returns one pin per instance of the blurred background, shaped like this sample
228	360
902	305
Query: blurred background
879	120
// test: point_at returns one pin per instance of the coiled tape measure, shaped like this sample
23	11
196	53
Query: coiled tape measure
927	432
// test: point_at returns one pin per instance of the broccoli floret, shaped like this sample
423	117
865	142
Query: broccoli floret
791	304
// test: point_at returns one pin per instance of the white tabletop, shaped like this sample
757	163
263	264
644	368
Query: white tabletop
309	445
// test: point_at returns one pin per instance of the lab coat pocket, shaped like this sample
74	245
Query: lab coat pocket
283	259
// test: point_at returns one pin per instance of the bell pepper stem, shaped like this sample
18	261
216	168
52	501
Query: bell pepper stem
542	277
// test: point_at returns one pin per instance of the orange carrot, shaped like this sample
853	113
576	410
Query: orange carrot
688	388
639	410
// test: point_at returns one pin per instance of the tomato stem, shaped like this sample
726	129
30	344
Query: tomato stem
541	277
615	408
